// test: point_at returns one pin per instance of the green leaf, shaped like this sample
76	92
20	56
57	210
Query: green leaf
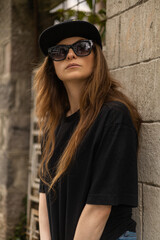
102	11
89	2
81	15
93	18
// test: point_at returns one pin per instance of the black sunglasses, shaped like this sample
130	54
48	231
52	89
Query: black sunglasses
81	48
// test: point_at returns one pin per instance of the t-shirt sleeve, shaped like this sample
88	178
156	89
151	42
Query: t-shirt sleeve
114	171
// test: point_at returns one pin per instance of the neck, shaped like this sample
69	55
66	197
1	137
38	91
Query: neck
74	93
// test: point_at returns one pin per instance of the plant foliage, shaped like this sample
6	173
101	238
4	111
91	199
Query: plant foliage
20	229
98	18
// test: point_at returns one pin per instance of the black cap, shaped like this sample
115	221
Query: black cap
70	28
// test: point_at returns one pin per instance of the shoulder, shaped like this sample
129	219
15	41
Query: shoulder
116	112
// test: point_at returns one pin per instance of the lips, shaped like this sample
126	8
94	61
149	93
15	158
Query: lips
72	65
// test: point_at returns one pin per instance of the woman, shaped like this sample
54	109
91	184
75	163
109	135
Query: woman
88	174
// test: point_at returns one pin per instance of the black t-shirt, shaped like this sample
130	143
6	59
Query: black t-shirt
104	172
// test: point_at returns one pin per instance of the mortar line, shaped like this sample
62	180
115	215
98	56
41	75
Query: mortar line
134	64
140	2
119	40
150	121
150	184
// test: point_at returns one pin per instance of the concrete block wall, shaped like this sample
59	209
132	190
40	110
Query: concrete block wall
5	91
16	63
133	56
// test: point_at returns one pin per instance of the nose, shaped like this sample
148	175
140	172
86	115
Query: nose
71	54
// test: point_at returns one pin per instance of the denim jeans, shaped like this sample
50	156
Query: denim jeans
128	236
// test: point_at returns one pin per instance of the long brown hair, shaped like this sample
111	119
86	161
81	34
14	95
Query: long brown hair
52	102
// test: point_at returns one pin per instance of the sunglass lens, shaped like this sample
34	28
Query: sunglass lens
82	48
58	53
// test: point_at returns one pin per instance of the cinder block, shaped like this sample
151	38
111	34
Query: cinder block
139	38
148	157
151	214
16	60
3	196
151	28
7	57
131	36
148	87
142	85
17	187
5	21
3	168
7	96
116	6
3	224
18	137
22	81
127	77
17	172
112	42
23	37
1	60
5	78
137	213
1	133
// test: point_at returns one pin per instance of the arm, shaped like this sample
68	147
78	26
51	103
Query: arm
92	222
43	218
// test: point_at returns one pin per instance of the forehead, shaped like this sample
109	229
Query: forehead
70	40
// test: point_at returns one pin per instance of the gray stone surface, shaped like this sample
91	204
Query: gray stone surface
5	20
141	84
148	85
127	77
7	98
2	227
136	64
151	212
149	164
16	62
15	206
22	82
6	91
112	42
1	60
137	213
16	187
3	197
17	174
3	168
139	35
5	78
137	31
18	138
1	133
116	6
6	57
131	36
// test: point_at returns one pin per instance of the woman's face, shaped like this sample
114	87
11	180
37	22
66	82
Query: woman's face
81	71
